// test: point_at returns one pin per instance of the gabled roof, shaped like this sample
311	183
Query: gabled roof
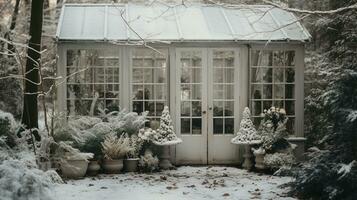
161	22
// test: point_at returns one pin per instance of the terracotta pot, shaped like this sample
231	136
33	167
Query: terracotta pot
74	169
93	168
131	164
113	166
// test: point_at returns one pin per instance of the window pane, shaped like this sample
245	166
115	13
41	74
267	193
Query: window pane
185	75
149	92
267	75
290	126
218	75
256	75
256	108
185	108
185	92
229	126
218	91
278	75
138	92
267	104
290	107
196	75
138	106
185	126
148	75
267	91
229	75
289	91
229	108
217	126
229	92
256	92
160	92
160	74
138	76
196	108
279	58
196	126
196	92
278	91
290	75
290	58
217	108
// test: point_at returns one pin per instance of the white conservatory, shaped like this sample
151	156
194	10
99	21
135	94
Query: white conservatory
206	62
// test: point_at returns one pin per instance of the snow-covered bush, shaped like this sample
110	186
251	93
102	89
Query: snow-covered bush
114	147
8	127
21	182
136	144
147	134
272	127
247	133
128	122
276	160
148	162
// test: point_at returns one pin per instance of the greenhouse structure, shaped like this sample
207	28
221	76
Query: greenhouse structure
206	62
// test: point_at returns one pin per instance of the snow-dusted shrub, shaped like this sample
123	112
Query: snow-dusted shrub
272	127
165	134
84	122
20	182
247	133
277	160
136	144
8	127
148	162
114	147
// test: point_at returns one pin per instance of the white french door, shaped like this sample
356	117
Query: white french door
207	104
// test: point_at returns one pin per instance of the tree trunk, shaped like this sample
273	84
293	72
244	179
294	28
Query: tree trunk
30	110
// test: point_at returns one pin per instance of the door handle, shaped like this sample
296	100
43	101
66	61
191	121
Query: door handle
204	112
210	108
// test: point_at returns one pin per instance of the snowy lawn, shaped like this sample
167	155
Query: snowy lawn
184	183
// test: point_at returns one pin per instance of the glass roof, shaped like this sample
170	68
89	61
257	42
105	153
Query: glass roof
162	22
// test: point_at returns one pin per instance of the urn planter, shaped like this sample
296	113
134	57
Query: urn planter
165	162
247	164
131	164
93	168
259	158
74	169
113	166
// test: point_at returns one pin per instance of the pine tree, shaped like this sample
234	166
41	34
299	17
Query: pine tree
166	131
247	134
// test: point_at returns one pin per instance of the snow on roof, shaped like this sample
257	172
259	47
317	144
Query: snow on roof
161	22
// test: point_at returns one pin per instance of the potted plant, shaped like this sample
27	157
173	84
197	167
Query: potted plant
93	145
275	148
114	149
132	159
165	136
247	136
73	163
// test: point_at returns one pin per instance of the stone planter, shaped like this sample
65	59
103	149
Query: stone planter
247	164
93	168
165	162
113	166
259	158
131	164
74	169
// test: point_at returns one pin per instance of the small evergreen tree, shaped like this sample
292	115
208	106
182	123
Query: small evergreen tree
247	134
166	132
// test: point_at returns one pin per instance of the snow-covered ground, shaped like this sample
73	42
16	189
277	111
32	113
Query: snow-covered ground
192	183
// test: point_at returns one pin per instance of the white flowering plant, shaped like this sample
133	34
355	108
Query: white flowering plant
272	127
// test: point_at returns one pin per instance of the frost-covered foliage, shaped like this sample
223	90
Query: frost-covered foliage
165	133
114	147
277	160
8	127
330	109
247	133
148	162
147	134
136	144
272	127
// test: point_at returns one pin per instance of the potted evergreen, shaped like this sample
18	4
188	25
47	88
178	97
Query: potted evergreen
247	136
114	149
165	136
93	145
132	160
